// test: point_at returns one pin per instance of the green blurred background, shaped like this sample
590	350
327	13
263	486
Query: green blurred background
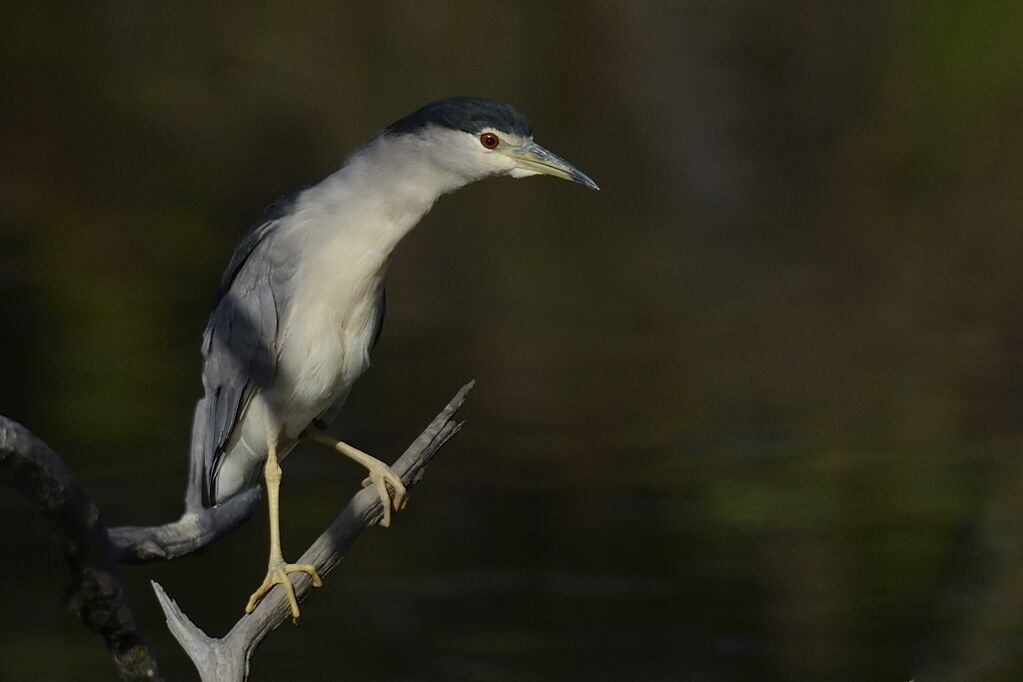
752	412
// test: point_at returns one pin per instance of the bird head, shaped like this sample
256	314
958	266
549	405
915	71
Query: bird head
475	138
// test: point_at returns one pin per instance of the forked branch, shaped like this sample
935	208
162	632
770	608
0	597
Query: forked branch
93	552
226	659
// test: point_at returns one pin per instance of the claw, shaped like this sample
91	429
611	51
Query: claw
380	477
278	575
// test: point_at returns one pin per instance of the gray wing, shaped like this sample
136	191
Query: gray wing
240	342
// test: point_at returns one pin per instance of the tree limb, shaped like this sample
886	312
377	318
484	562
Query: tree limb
197	527
227	659
29	466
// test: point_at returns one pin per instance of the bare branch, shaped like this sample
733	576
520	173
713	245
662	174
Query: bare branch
194	530
214	663
226	659
197	527
96	595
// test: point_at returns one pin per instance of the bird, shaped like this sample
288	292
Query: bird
301	303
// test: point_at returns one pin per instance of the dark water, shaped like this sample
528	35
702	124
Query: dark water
752	412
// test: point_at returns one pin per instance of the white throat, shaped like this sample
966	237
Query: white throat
383	190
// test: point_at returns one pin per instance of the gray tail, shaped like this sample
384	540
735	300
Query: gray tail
200	479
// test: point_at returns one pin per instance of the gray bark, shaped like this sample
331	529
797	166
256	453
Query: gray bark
226	659
97	596
197	527
29	466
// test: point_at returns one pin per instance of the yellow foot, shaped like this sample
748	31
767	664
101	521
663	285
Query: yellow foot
380	476
278	575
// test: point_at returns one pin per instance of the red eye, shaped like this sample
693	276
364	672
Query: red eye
489	140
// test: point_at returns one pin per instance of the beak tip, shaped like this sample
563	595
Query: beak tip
534	159
586	182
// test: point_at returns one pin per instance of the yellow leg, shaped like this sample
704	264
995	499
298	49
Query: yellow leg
380	475
278	570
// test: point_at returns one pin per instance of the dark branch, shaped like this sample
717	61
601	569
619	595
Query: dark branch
226	659
29	466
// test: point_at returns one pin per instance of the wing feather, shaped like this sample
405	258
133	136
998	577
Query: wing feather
240	342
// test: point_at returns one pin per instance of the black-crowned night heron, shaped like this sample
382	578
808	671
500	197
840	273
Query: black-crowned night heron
302	300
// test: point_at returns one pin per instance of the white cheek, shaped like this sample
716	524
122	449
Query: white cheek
503	165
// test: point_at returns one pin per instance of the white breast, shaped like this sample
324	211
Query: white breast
328	330
324	348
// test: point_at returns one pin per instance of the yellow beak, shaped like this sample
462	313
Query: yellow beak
533	158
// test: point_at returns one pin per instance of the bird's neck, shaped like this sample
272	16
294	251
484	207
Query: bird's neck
382	192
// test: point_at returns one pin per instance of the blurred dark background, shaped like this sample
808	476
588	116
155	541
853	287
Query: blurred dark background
752	412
